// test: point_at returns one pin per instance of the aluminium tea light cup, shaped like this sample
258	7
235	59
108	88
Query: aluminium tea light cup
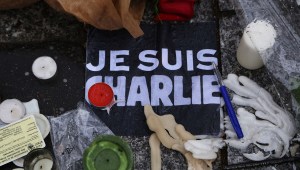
258	36
39	159
44	68
101	95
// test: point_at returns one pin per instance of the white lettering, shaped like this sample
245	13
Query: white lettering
165	60
190	60
163	93
201	57
196	90
209	89
119	89
178	92
154	61
101	62
161	89
138	92
114	60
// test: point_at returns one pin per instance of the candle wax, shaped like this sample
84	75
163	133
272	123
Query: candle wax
43	164
101	95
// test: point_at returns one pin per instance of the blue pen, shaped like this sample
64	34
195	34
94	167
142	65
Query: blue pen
230	110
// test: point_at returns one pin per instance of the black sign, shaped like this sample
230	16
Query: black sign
169	68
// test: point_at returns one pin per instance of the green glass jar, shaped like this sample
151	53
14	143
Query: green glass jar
108	152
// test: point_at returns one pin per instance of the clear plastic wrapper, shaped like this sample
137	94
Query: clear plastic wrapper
283	59
71	133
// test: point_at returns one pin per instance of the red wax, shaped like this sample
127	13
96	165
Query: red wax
100	95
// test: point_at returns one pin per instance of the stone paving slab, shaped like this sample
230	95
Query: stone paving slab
38	23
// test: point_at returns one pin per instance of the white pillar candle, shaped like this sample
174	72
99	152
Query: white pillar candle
44	67
258	36
43	164
11	110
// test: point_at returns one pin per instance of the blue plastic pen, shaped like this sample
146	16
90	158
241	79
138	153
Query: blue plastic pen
231	113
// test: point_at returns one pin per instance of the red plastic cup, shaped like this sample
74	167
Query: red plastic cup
101	95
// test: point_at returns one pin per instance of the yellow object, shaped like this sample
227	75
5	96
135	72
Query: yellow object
18	139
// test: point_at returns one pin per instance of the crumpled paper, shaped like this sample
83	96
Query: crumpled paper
105	14
102	14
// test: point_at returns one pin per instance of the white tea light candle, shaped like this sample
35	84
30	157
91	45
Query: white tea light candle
11	110
19	162
258	36
43	164
39	159
44	67
43	124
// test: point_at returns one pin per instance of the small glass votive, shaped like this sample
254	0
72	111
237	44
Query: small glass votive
39	159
